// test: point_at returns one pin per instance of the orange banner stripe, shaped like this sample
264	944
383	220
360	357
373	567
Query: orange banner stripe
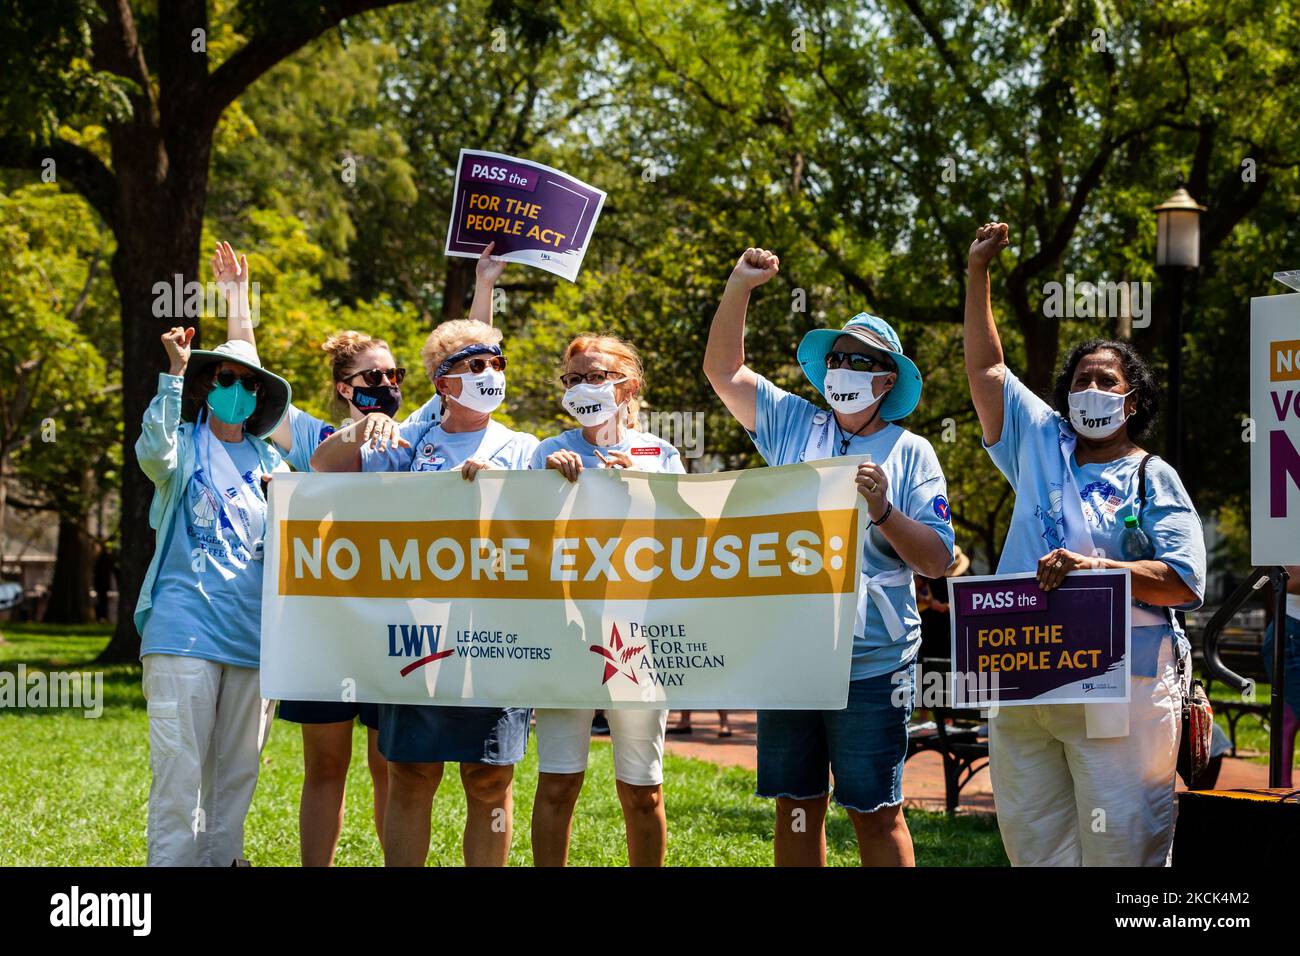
794	553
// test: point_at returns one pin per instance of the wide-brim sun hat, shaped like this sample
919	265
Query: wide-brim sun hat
880	335
272	402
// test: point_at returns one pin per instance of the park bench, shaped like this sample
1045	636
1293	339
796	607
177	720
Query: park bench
960	737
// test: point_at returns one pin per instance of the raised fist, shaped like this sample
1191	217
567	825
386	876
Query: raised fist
177	343
990	239
755	267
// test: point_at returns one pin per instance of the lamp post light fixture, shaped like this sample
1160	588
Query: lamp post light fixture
1178	251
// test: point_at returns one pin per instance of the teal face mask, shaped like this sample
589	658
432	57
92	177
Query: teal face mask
232	403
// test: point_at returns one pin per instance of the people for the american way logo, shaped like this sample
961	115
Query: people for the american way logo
617	656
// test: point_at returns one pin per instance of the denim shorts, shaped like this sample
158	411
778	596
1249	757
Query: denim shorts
328	712
863	746
433	733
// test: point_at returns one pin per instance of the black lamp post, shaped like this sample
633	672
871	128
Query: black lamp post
1178	251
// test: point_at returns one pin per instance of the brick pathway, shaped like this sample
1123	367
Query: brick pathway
922	777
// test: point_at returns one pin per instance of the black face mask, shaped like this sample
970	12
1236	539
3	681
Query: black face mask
377	398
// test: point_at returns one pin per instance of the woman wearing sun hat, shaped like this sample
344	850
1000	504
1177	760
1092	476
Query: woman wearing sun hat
200	608
870	385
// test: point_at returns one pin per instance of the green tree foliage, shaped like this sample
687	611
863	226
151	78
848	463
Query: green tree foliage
863	141
59	390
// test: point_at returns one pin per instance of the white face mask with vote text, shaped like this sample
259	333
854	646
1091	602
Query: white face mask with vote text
1096	414
592	404
848	391
483	392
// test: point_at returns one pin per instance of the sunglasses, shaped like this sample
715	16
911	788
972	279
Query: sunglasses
478	363
597	376
376	376
227	378
857	361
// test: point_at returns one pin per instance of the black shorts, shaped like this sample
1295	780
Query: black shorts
328	712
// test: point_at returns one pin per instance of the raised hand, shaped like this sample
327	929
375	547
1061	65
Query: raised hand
231	273
990	239
755	267
177	343
488	270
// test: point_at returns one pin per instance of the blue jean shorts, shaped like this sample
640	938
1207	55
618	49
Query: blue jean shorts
863	745
329	712
433	733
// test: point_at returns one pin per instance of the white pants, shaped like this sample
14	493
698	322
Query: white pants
1066	800
207	725
564	740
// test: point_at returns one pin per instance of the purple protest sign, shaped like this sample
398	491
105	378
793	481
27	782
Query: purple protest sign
535	214
1013	643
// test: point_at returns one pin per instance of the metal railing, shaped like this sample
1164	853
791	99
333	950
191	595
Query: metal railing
1256	579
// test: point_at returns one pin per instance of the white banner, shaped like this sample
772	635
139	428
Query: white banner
1275	410
626	589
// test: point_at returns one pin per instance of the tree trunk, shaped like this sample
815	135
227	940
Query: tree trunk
454	287
1042	338
159	228
4	508
70	590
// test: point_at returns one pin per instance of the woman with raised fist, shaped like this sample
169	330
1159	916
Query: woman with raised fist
1089	784
199	613
870	385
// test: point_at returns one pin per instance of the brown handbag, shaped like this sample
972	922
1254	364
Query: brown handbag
1197	730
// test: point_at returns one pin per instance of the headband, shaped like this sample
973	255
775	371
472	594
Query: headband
469	351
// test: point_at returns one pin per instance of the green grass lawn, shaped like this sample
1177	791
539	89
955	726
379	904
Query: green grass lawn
73	791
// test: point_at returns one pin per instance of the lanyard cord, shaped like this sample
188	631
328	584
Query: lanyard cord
844	442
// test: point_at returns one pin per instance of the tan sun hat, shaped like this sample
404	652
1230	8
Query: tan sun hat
272	404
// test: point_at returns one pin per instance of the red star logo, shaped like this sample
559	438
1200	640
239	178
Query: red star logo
616	657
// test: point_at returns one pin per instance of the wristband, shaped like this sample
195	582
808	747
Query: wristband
889	510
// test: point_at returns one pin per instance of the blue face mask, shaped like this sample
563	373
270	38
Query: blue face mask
232	403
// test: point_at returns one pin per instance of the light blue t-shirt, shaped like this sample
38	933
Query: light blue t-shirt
207	598
1028	453
783	423
648	452
309	431
433	449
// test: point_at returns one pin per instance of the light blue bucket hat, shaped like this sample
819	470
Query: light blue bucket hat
880	335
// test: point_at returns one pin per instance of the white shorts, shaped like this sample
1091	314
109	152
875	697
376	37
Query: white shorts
564	739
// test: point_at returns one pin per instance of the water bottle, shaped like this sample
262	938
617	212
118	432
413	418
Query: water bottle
1133	541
